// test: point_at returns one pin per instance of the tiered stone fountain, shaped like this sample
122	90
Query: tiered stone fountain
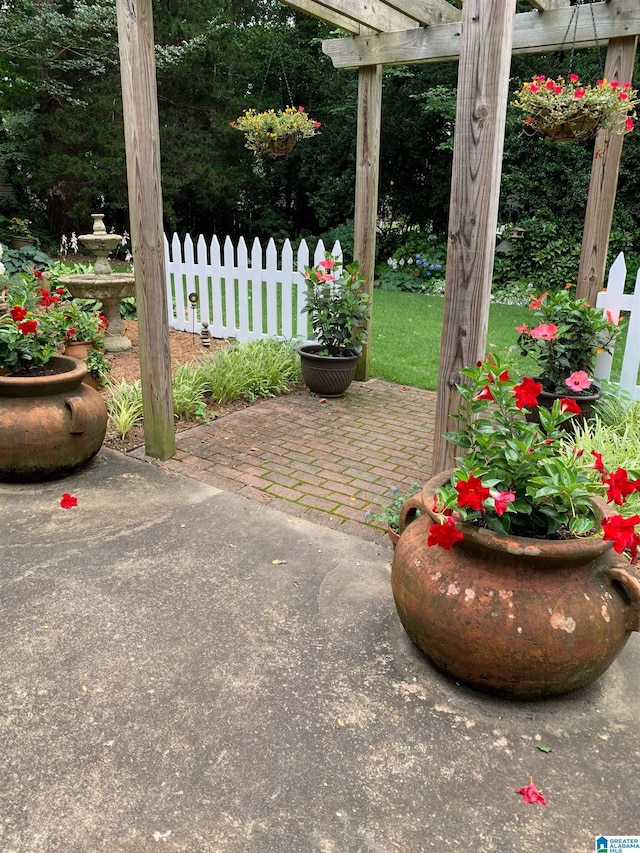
103	284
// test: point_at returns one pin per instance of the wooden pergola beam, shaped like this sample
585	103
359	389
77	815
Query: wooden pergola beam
427	12
533	32
545	5
376	15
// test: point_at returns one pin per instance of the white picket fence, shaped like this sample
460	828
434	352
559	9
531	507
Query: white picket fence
614	300
242	296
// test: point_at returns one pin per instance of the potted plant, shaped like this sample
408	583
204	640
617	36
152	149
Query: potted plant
565	342
275	133
390	513
515	580
20	232
51	422
80	328
339	311
98	368
569	111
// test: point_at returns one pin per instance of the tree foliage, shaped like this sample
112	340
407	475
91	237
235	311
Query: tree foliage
62	136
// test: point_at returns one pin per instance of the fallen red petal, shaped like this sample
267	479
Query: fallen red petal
67	501
530	794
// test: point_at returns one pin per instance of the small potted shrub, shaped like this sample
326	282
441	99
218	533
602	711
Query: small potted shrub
339	311
565	343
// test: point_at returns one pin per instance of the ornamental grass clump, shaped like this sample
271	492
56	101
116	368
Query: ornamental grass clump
569	110
566	340
266	132
516	476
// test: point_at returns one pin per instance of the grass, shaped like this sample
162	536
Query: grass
262	368
406	330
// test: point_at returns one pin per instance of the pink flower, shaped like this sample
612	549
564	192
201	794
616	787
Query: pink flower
523	329
545	332
578	381
501	499
615	84
623	96
579	93
321	276
573	78
327	264
550	84
629	125
533	88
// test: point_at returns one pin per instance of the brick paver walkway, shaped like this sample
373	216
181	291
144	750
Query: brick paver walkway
330	462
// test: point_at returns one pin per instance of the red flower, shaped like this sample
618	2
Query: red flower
103	323
485	394
47	299
530	794
614	84
619	486
568	405
573	78
550	84
536	303
598	464
545	332
70	333
471	492
579	93
629	125
533	88
557	90
37	273
621	532
623	96
67	501
28	327
526	393
18	313
444	535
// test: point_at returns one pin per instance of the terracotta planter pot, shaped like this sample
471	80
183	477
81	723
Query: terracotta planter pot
326	375
19	242
50	425
523	618
78	349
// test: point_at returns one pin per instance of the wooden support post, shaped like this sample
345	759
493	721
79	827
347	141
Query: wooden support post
366	201
142	140
607	151
483	90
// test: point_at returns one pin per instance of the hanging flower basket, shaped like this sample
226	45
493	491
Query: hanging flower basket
282	145
275	133
571	112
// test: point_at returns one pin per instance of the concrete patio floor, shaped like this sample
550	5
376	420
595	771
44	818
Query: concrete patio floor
186	668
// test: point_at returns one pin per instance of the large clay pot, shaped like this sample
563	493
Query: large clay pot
326	375
49	425
524	618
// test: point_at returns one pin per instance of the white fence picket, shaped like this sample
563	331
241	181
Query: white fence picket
614	300
241	296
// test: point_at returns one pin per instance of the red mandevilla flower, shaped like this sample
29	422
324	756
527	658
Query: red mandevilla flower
67	501
598	464
444	534
621	532
526	393
485	394
28	327
537	302
568	405
18	313
471	492
501	500
619	486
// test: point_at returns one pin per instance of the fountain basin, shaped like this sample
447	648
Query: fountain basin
109	289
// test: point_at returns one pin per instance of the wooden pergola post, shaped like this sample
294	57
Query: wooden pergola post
607	151
483	89
366	200
142	141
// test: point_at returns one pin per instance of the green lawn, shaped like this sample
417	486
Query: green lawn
405	338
